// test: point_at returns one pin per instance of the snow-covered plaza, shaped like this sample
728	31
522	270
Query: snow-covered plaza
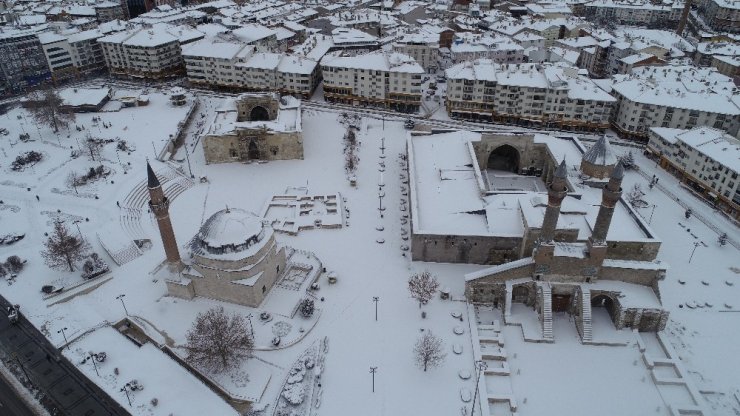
692	364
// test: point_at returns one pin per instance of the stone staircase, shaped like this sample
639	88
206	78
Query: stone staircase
586	334
546	313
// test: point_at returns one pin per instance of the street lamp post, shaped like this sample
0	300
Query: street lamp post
92	357
187	156
650	221
120	297
480	366
77	223
373	370
64	335
125	390
376	299
22	367
697	244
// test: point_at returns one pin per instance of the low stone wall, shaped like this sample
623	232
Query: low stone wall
464	249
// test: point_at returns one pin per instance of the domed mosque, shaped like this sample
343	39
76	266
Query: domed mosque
234	257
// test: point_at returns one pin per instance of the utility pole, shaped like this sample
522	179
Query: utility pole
376	299
697	244
650	221
125	390
64	335
481	366
120	297
373	370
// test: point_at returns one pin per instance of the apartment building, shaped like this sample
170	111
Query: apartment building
499	48
58	55
105	11
679	97
242	67
423	47
551	95
707	159
379	78
24	62
721	15
635	12
153	52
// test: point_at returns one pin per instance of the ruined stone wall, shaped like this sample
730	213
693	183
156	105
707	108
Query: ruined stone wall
633	250
636	276
491	289
464	249
236	147
530	153
269	102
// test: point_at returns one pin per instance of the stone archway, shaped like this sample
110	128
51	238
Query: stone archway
253	150
605	301
259	113
504	157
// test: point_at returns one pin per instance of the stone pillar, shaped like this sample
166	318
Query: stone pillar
609	197
160	206
555	195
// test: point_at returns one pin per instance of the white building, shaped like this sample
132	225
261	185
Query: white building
547	94
422	46
679	97
153	52
240	66
499	48
387	79
708	159
635	12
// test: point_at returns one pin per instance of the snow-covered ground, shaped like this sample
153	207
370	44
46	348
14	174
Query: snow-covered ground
704	337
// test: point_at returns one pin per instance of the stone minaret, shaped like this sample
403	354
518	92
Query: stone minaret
160	206
609	197
555	195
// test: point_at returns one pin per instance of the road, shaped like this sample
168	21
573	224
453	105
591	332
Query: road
10	403
64	385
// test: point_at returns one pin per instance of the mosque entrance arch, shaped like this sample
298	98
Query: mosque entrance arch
504	157
259	113
604	301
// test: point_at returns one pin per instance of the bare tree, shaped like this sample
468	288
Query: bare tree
423	286
46	107
428	351
93	146
217	341
64	249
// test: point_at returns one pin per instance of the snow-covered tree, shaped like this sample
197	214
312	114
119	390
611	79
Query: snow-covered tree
14	264
722	239
93	146
628	160
422	286
63	249
428	351
46	107
634	196
217	340
3	271
307	307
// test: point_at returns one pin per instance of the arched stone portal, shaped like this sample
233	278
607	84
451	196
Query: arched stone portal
520	294
604	301
254	152
504	157
259	113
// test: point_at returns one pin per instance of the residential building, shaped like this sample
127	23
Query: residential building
634	12
501	49
529	94
423	47
105	11
721	15
707	159
380	78
153	52
58	55
24	63
679	97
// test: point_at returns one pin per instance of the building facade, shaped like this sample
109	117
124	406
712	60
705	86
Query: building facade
527	94
24	62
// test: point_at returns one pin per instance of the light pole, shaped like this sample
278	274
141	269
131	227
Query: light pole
15	355
376	299
125	390
77	223
64	335
373	370
481	366
650	221
697	244
187	156
92	357
120	297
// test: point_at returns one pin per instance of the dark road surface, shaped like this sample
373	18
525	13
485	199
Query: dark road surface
70	390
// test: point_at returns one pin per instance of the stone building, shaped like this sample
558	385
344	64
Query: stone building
480	198
234	258
575	277
260	126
